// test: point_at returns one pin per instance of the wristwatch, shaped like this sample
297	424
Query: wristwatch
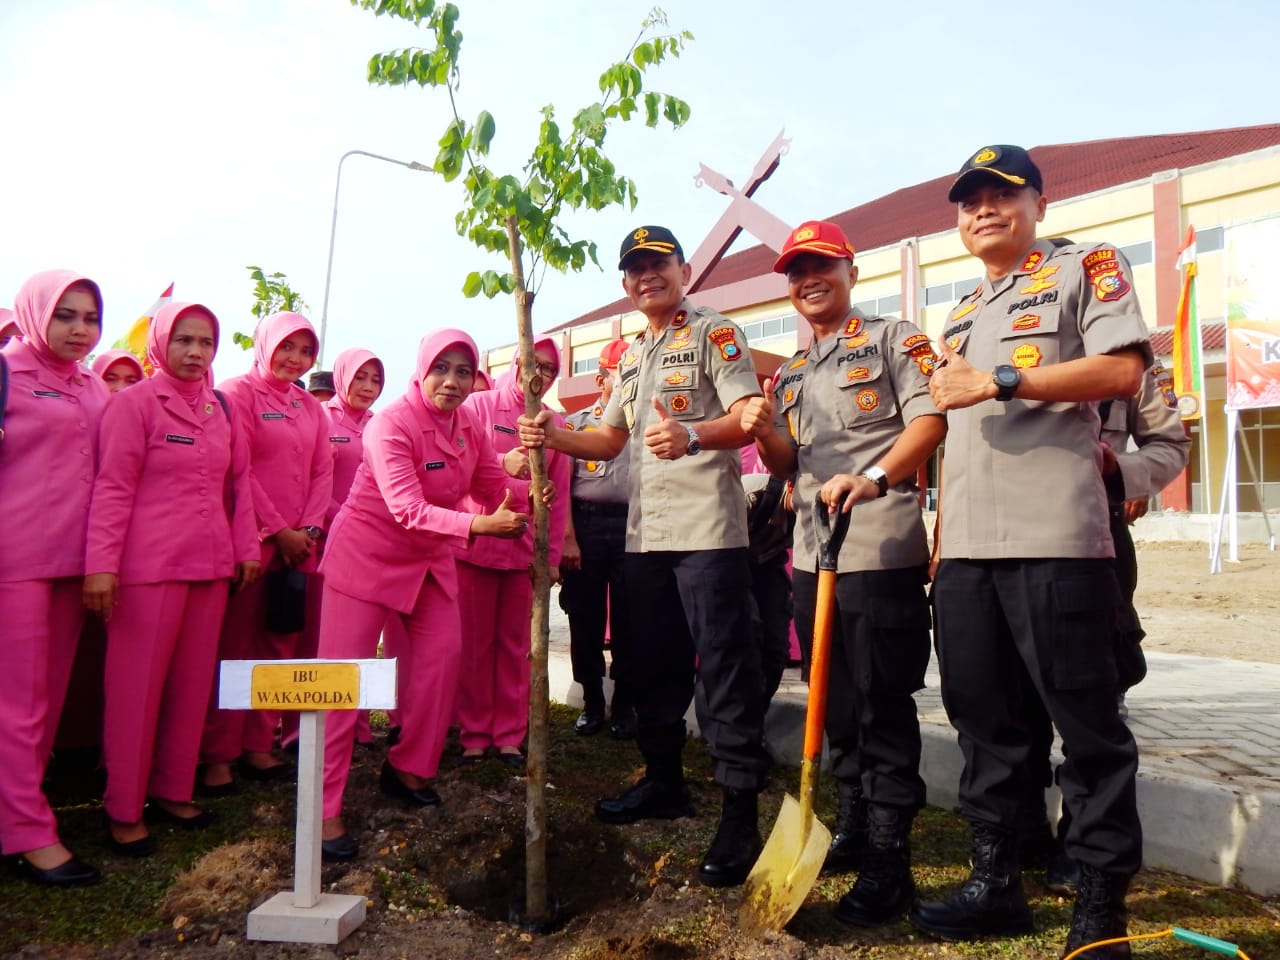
1006	378
878	477
315	533
694	445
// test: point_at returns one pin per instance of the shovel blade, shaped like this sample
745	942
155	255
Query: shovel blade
787	869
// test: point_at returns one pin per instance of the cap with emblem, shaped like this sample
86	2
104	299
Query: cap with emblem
657	240
999	161
814	236
612	353
321	380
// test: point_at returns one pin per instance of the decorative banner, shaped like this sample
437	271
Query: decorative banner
1253	315
135	341
1188	370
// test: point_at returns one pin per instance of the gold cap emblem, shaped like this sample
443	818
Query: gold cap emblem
985	155
639	235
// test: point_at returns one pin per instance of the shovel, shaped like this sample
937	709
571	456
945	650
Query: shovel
792	857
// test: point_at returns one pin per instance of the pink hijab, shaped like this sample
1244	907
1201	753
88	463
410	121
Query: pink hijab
34	306
273	331
158	336
429	350
345	367
8	325
483	381
509	380
106	361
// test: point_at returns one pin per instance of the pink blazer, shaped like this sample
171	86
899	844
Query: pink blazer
498	410
346	440
159	512
47	462
406	515
290	460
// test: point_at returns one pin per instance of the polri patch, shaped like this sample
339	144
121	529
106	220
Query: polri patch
726	338
853	326
1026	355
857	373
854	342
868	399
679	403
1034	259
1040	280
681	339
677	379
681	318
1028	321
914	341
967	309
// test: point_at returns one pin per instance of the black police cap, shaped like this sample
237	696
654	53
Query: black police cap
1002	161
657	240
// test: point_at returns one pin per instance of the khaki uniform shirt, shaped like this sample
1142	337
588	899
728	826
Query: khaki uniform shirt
597	481
843	402
1022	479
698	367
1160	446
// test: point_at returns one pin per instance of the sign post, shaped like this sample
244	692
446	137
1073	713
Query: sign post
312	687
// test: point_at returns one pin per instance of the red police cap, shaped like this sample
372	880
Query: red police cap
814	236
612	353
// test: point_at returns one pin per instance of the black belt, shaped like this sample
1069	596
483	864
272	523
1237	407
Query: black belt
602	509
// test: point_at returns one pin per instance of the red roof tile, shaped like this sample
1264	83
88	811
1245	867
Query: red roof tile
1213	336
1069	169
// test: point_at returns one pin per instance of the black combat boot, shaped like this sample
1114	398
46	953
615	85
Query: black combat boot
1062	874
884	888
737	843
660	795
1099	914
849	840
991	901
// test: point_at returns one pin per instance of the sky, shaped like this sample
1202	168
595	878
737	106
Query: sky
149	142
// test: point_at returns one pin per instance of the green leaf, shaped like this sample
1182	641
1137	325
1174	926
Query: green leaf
471	286
507	282
482	132
491	284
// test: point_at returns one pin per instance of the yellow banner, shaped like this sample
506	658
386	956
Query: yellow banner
305	686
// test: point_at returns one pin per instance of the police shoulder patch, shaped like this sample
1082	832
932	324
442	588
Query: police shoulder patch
914	341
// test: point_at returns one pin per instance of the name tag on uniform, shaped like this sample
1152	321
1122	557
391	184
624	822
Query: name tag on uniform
178	438
273	416
434	465
47	394
501	429
339	439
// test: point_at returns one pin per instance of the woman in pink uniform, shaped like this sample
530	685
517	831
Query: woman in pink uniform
497	592
357	379
161	555
47	461
291	469
390	554
8	326
118	369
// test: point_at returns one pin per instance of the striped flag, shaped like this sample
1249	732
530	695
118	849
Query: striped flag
1187	369
135	341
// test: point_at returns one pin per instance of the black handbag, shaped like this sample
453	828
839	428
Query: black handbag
286	600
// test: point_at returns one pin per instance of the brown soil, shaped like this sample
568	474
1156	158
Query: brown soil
1186	609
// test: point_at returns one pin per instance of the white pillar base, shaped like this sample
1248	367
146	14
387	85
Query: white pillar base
333	918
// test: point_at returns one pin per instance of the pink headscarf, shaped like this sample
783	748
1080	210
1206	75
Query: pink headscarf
8	325
429	350
483	381
345	367
273	331
158	336
104	362
509	380
34	306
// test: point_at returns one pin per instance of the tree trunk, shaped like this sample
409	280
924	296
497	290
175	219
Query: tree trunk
535	823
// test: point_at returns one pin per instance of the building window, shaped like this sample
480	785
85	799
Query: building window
1210	240
939	293
589	365
1138	254
769	329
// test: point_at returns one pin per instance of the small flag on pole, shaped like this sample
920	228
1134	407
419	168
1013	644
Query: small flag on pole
135	341
1187	369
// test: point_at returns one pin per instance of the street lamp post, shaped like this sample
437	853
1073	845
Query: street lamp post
333	231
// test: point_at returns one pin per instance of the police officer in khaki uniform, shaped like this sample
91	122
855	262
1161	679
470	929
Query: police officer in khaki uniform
1025	596
682	386
851	417
593	588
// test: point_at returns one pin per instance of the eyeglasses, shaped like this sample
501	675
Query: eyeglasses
545	369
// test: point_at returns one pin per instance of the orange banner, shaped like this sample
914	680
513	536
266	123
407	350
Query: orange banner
1253	315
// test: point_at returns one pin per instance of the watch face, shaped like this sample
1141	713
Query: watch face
1007	376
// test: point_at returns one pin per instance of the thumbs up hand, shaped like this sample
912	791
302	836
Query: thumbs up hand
757	416
667	439
956	383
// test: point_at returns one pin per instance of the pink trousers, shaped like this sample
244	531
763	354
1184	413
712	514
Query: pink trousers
41	623
162	646
493	698
229	733
428	655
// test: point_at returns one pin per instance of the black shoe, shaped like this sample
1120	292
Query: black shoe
737	842
589	723
1062	875
1100	914
393	735
73	873
647	800
622	725
133	849
393	786
884	888
990	902
217	790
201	821
272	774
339	848
849	841
516	761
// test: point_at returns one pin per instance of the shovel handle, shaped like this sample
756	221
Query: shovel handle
830	534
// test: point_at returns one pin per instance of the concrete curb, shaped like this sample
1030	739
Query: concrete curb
1212	831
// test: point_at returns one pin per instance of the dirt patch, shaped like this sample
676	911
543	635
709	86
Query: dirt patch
1186	609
